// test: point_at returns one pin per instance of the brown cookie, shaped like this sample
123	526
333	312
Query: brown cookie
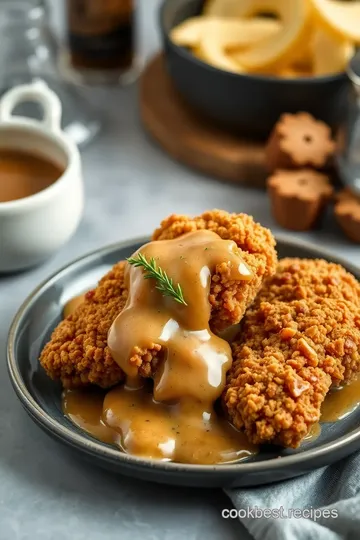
347	214
298	197
299	140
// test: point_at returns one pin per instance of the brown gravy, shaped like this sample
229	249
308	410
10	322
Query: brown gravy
313	433
338	404
194	361
125	407
131	419
341	402
23	174
84	408
175	420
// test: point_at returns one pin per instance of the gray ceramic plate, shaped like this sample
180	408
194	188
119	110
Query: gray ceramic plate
41	397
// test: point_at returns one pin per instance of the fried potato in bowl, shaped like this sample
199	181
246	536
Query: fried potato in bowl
248	100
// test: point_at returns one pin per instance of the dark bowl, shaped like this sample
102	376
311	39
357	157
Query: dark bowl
250	104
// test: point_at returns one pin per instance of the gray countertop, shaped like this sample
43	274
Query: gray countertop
45	491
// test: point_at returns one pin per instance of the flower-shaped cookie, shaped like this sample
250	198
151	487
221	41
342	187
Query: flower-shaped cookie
298	197
299	140
347	214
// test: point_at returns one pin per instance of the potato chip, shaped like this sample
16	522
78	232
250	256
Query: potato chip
189	32
214	54
227	33
342	18
297	38
277	50
330	53
234	34
302	55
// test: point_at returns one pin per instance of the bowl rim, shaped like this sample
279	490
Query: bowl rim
272	79
113	455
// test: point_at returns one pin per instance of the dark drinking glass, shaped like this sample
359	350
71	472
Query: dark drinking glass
29	52
101	39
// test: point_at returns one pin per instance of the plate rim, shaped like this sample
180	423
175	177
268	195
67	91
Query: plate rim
113	455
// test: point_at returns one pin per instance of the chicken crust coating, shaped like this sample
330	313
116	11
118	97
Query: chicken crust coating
229	299
296	279
288	356
78	353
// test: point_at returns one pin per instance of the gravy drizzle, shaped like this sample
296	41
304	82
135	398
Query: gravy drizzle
175	420
194	360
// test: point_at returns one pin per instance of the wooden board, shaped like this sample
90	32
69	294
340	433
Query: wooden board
189	138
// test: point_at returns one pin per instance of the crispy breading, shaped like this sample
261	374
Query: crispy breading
306	278
78	353
229	299
291	351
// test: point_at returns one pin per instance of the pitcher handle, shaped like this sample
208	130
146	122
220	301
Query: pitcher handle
38	92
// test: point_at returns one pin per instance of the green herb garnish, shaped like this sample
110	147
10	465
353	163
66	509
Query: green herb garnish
164	282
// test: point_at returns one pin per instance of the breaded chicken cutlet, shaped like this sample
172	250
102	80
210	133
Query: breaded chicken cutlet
78	353
291	351
229	299
296	279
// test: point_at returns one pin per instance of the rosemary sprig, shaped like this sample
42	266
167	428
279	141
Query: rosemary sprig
164	282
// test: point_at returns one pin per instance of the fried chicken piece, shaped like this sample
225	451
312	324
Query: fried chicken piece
229	299
78	353
307	278
288	356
